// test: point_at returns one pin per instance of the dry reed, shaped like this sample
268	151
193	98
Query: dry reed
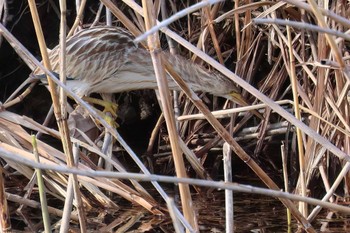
286	51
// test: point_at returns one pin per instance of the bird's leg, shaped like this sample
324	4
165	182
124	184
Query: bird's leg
108	105
109	112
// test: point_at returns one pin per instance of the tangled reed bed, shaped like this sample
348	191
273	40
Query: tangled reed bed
294	53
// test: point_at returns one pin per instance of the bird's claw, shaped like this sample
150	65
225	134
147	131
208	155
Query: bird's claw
111	108
109	113
110	119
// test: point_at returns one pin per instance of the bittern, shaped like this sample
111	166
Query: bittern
106	60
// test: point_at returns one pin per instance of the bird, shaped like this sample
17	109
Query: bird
106	59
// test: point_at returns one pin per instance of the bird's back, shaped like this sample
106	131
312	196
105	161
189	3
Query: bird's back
106	60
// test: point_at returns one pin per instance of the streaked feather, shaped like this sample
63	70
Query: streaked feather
106	60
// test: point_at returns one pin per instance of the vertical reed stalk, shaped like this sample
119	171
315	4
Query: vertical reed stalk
154	47
228	193
171	207
5	223
285	179
302	205
61	120
41	186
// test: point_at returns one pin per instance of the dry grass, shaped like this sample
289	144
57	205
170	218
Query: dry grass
293	53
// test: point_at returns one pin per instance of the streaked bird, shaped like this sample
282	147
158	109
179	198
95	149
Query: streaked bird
106	60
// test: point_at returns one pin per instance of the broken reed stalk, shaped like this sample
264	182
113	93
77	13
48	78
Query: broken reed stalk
293	79
154	48
12	101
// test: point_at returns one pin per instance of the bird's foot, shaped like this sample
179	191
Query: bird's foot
109	113
108	106
111	108
110	119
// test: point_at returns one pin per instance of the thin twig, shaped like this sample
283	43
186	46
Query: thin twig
302	25
175	17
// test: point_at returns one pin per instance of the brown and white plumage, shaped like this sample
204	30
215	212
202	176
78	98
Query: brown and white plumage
106	60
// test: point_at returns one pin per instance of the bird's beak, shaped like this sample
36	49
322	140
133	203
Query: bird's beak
238	98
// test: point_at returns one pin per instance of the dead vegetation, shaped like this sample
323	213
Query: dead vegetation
289	58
